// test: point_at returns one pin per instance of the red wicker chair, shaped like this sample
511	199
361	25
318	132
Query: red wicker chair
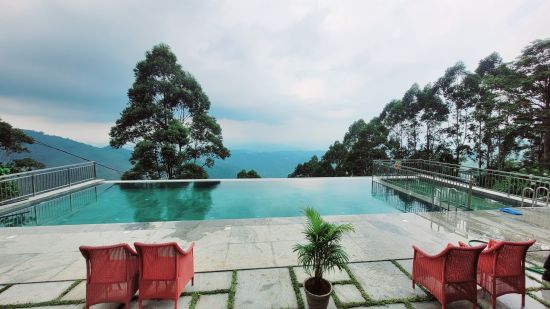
501	268
449	275
165	269
111	274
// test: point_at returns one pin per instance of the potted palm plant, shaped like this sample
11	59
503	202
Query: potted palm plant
322	253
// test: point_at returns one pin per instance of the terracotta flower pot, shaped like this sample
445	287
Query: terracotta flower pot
315	301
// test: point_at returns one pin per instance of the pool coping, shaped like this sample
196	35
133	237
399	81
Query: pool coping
5	209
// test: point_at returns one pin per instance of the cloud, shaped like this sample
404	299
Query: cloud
264	64
93	133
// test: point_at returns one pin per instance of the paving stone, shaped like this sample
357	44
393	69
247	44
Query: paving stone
348	293
63	307
33	292
392	306
160	304
76	293
530	283
264	288
462	304
210	282
382	280
331	304
214	301
114	306
336	275
509	301
407	265
543	294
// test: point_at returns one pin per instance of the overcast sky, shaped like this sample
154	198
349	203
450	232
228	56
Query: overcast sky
280	74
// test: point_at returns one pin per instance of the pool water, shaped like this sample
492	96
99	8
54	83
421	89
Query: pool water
175	201
427	189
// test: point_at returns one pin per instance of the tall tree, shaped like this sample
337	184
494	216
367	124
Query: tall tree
432	113
452	87
533	66
12	141
167	120
411	109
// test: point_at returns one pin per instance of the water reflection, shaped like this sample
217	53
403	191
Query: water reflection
399	200
171	201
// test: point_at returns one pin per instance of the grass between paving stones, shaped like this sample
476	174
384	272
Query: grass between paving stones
45	304
296	287
5	287
56	302
540	300
194	300
232	291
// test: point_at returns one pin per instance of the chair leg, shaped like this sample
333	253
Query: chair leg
127	305
523	299
413	284
176	303
139	303
494	301
193	280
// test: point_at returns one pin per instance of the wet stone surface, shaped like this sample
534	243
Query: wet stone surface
265	288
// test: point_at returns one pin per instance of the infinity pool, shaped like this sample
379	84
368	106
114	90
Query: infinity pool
231	199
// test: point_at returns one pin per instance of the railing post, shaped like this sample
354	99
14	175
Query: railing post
94	170
69	175
33	184
470	189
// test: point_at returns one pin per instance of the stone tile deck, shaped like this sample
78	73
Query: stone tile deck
272	288
39	255
49	253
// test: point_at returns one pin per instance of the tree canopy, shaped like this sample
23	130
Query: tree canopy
248	174
12	141
497	116
167	122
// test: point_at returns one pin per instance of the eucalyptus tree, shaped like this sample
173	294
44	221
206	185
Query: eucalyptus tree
393	117
167	121
411	109
433	112
533	68
452	87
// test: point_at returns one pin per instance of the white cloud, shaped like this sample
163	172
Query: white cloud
93	133
325	63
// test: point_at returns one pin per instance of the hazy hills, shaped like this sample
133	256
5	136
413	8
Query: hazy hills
267	164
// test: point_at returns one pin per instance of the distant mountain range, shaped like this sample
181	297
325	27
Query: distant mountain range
272	164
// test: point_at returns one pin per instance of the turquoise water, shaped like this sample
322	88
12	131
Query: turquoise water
147	202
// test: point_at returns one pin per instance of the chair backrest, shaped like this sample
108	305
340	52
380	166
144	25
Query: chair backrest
157	261
510	257
461	263
107	264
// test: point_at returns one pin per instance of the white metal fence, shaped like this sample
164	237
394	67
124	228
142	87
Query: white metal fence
15	187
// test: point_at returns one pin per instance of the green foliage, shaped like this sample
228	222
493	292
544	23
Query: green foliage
323	252
167	120
14	141
248	174
496	114
362	143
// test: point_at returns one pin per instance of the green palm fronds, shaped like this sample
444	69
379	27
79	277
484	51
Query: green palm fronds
323	252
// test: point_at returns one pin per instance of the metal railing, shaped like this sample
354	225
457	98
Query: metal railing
426	182
466	178
15	187
51	210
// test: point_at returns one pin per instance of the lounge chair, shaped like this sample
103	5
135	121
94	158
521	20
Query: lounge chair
111	274
450	275
501	268
165	269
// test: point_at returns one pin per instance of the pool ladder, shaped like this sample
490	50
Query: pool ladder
535	193
451	192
